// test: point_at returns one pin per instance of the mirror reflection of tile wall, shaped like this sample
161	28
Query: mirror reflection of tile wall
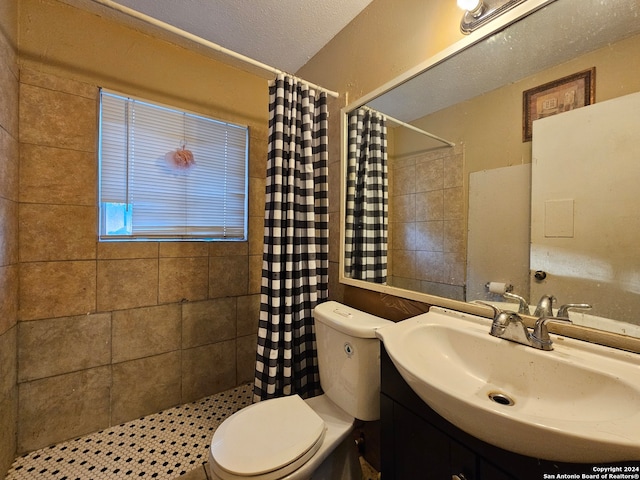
427	228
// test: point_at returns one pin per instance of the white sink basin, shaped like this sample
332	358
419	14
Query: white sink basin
577	403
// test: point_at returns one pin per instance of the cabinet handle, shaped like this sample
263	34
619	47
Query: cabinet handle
460	476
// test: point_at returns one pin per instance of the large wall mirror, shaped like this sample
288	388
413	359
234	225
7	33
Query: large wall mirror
462	182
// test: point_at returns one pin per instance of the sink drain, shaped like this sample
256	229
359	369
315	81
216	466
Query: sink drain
501	398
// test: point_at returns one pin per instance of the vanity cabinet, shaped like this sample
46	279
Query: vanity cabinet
417	443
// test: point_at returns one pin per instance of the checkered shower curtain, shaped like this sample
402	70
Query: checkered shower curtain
295	257
367	197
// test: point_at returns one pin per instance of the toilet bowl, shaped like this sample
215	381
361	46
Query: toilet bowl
289	438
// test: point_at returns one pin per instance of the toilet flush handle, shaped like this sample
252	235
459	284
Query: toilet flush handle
343	313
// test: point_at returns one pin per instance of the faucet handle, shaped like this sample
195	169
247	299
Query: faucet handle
496	310
563	311
523	305
501	318
540	333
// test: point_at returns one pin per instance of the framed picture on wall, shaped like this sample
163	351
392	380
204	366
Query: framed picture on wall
567	93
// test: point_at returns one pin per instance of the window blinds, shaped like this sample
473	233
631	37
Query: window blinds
143	196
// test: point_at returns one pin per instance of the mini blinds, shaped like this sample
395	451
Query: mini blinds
147	193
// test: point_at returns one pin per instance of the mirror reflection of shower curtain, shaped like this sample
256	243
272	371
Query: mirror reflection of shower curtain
366	233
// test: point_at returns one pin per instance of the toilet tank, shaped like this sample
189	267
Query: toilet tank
349	358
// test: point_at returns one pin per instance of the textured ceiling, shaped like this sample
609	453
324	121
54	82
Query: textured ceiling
284	34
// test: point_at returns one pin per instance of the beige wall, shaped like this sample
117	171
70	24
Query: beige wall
109	332
8	231
385	40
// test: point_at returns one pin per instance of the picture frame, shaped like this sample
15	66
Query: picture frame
562	95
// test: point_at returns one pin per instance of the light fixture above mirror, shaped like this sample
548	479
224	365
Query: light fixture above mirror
479	12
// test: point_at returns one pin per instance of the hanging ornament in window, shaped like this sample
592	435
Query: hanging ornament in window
180	159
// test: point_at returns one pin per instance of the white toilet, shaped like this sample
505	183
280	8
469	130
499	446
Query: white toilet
294	439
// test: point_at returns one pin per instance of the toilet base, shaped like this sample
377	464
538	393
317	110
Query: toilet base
342	464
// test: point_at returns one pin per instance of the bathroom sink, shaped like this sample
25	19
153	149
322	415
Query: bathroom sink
577	403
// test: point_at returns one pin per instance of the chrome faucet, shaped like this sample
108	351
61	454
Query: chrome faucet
545	306
510	326
540	337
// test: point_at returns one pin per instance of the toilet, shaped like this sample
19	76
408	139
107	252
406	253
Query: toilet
289	438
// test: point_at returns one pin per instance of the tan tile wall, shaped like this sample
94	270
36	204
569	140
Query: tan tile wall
113	331
9	158
427	231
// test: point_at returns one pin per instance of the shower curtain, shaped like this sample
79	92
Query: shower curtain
367	197
295	256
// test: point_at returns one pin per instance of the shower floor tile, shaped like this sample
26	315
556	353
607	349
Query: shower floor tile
162	445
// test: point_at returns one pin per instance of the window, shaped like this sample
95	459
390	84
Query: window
146	193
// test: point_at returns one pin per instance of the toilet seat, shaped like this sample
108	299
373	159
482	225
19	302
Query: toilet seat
267	440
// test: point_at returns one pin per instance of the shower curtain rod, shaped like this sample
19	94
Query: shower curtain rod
206	43
411	127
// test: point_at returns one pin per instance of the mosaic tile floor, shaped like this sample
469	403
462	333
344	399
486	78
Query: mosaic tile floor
163	445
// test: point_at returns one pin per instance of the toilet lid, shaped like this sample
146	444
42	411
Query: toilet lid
266	436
